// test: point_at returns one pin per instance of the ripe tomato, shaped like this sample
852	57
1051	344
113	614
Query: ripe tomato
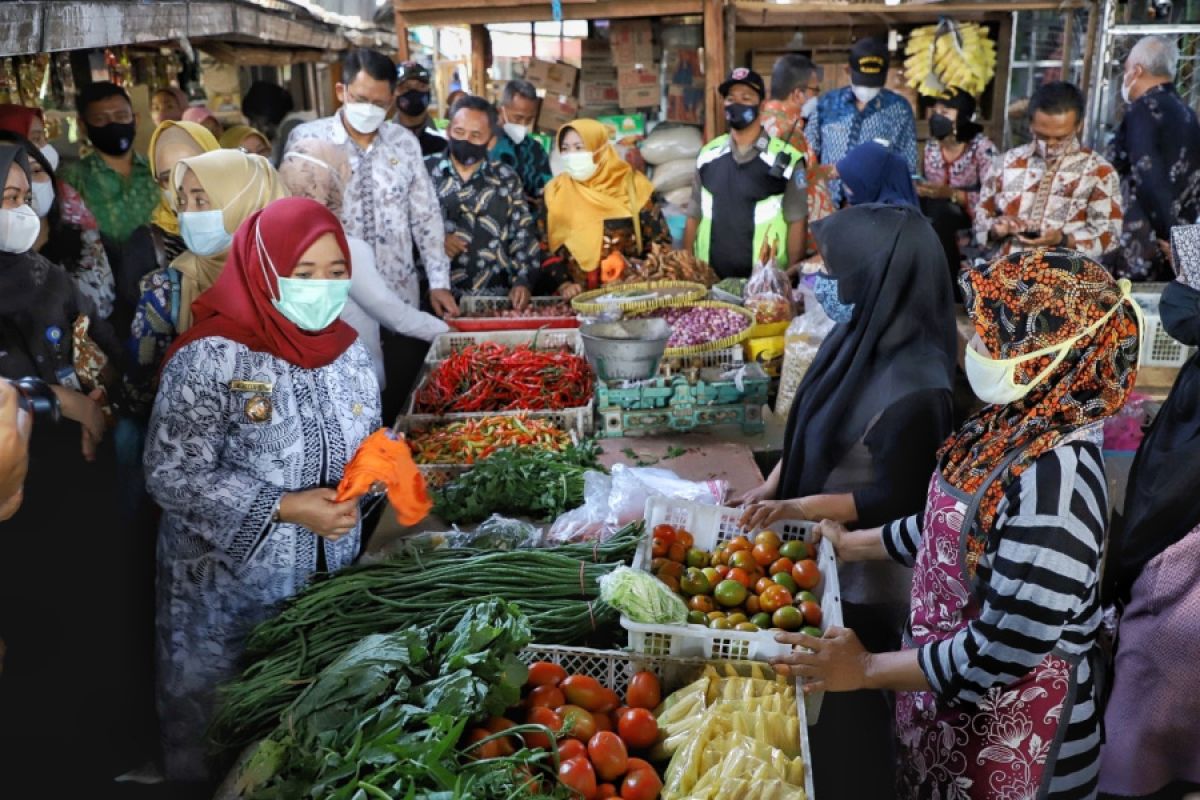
812	613
722	570
638	764
644	784
549	696
578	774
764	556
743	559
806	574
670	581
739	575
499	725
571	748
638	728
543	716
781	565
644	691
659	547
762	584
671	568
665	531
611	700
608	755
585	691
767	539
702	602
753	606
606	790
577	723
602	720
497	748
677	552
682	535
774	598
543	673
738	543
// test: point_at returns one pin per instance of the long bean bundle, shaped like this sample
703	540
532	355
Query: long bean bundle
556	588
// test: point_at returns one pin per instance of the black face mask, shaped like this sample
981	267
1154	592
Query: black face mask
413	102
113	139
940	126
1179	310
466	153
740	116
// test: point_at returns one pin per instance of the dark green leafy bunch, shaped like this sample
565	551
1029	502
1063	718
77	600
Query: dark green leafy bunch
519	481
385	719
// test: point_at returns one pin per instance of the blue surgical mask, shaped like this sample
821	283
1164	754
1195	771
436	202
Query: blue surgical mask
826	290
311	303
204	232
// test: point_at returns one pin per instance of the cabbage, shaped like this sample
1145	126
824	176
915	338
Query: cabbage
642	597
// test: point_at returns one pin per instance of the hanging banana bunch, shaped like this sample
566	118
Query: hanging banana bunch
949	54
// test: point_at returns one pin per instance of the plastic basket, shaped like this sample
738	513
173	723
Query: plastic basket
452	342
717	344
1158	348
713	526
578	420
665	294
614	668
485	311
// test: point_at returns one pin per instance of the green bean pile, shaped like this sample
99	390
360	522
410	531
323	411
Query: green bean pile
555	587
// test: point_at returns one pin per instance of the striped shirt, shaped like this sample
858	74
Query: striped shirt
1038	585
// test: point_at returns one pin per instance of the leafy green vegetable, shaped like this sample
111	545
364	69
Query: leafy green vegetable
642	597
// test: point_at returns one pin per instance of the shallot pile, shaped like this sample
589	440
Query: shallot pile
701	325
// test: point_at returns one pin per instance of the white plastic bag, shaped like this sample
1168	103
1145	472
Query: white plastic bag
633	486
589	521
672	144
674	174
800	345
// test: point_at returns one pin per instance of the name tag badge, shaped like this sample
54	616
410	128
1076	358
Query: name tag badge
68	379
257	407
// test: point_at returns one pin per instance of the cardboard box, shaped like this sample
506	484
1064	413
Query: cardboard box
637	77
640	96
554	78
632	42
599	92
596	54
623	126
685	104
557	110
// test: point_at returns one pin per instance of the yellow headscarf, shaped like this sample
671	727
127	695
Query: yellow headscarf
237	183
233	137
575	212
203	141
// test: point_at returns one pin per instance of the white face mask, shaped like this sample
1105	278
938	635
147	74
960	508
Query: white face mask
516	132
364	117
865	94
994	379
51	155
580	164
19	229
1126	88
809	108
43	197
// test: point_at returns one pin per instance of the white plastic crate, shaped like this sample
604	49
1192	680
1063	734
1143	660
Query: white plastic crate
1158	349
480	305
614	668
544	339
712	526
579	420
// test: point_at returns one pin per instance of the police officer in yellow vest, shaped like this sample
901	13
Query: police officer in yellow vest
749	197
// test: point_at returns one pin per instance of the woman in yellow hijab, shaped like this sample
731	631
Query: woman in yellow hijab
215	193
246	139
170	142
599	205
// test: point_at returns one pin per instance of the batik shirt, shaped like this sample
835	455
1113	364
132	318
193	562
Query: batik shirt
1079	195
527	158
968	172
782	120
119	204
837	127
1156	152
490	212
390	204
89	266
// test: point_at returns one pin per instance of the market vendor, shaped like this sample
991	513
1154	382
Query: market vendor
749	186
261	404
861	440
599	212
996	670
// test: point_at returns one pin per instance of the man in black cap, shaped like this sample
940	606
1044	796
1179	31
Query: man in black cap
412	107
750	186
862	112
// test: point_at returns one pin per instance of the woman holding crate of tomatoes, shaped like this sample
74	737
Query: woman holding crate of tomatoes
995	686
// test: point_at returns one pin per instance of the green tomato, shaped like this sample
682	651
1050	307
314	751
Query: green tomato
762	619
730	593
786	581
697	618
795	550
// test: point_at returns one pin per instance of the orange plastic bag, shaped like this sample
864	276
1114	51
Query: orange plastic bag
385	460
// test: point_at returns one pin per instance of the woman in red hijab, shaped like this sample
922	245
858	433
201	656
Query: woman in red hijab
261	404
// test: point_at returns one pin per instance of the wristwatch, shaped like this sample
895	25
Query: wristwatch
275	520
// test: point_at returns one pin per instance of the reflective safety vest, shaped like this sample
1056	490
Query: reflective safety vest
746	200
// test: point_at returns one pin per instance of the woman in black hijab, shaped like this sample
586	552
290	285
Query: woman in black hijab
861	443
69	664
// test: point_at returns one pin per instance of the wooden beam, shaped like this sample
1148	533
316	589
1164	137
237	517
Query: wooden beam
1089	45
1067	35
715	65
481	59
1000	82
758	14
402	53
602	9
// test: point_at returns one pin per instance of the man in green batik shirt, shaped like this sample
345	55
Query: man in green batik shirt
115	182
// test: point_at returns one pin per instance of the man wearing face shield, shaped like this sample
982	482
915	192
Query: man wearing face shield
862	112
750	186
412	108
1052	192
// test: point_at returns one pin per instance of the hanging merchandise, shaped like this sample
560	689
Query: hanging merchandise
8	81
947	55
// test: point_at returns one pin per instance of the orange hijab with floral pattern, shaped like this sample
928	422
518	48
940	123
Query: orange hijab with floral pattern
1020	304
